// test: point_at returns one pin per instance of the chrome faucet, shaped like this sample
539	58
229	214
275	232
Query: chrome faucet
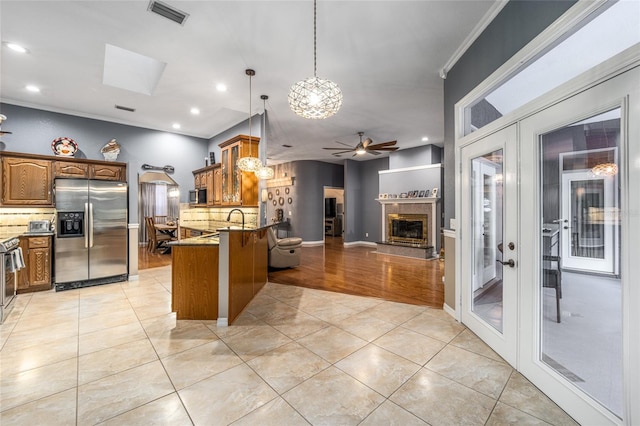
236	210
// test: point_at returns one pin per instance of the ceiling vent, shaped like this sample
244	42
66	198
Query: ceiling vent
167	11
124	108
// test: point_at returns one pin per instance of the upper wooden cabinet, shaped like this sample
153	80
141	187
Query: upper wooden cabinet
72	169
26	181
238	188
208	178
107	172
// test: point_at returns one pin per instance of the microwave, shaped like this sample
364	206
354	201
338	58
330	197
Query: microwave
198	196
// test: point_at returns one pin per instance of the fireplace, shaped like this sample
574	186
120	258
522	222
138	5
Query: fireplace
407	229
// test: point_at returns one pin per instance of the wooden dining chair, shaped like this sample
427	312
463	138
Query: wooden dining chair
156	239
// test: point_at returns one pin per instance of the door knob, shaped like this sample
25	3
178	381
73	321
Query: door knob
509	262
511	246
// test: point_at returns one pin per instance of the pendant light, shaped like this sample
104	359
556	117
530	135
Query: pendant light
609	167
249	164
264	172
315	97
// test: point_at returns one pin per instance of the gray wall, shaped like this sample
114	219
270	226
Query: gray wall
362	211
515	26
34	130
419	156
307	194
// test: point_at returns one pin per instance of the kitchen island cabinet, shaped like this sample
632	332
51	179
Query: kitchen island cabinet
215	276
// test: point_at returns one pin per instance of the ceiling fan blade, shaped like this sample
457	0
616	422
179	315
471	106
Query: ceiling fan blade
341	152
336	149
366	142
342	143
389	149
370	151
382	145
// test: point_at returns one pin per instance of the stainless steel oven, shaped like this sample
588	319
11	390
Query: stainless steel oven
11	262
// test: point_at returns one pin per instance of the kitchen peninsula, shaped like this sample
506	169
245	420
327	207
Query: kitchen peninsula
215	275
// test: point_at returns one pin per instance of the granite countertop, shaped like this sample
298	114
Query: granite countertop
212	238
202	240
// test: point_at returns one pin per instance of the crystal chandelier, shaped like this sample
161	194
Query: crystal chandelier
605	169
315	97
264	172
249	164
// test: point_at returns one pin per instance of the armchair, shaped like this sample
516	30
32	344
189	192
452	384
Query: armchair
283	252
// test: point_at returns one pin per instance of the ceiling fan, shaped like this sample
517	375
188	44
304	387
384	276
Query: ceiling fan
364	147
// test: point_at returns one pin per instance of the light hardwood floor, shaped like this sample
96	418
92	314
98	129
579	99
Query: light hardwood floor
355	270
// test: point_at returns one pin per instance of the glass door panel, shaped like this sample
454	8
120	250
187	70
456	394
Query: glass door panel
489	216
581	309
487	243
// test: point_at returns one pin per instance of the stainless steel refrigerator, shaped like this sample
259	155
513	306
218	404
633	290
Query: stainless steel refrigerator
91	233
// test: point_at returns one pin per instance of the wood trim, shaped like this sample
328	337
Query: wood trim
54	158
244	138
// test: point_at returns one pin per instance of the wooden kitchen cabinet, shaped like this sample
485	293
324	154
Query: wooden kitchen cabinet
208	178
36	275
107	172
26	181
238	188
71	169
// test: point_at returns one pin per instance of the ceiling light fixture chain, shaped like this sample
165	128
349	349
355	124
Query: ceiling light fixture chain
314	97
264	172
249	164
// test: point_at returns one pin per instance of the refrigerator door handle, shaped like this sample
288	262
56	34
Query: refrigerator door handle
86	225
91	225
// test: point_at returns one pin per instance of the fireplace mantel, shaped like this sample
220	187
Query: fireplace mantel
423	200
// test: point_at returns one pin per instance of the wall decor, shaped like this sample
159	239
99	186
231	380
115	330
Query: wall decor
271	195
289	200
64	147
403	195
277	192
286	190
421	194
281	201
275	203
111	150
427	193
434	192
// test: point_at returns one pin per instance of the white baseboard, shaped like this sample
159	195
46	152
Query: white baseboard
222	322
134	277
449	310
312	243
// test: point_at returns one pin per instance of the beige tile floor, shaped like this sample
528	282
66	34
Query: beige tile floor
116	355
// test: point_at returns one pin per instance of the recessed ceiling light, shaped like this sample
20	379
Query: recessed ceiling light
195	111
32	88
17	48
425	139
176	126
221	87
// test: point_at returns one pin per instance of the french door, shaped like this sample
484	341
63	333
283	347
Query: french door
549	250
578	340
490	258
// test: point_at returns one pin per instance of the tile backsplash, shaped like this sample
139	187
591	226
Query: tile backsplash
17	219
200	217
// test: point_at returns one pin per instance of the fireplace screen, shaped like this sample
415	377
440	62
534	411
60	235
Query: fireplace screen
407	229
